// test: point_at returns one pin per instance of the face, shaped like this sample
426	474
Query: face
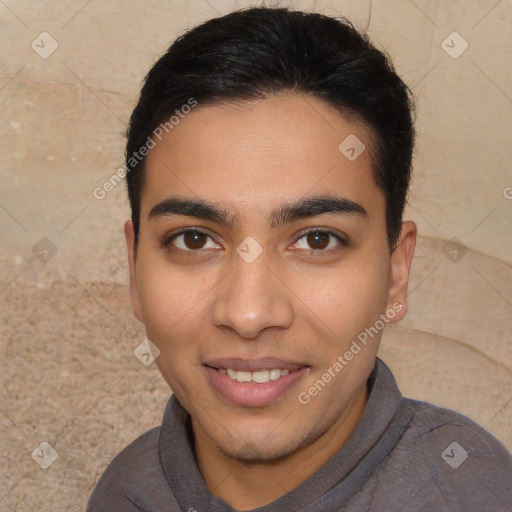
262	257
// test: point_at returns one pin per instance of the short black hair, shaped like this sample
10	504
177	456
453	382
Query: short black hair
252	53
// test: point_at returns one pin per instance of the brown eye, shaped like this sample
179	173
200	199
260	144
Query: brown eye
191	240
318	240
194	240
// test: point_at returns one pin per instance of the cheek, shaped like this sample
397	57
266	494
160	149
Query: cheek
349	300
172	312
171	301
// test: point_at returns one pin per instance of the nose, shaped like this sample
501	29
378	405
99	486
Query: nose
252	298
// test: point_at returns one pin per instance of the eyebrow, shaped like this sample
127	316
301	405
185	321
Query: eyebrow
287	213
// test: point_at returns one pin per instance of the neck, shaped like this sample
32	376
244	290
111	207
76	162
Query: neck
250	485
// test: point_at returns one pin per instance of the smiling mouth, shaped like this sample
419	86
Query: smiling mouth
254	383
258	376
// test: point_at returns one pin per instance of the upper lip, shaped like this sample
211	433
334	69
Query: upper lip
253	365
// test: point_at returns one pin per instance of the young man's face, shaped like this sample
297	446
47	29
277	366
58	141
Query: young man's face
254	289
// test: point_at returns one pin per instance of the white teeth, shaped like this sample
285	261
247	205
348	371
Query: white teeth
275	374
243	376
261	376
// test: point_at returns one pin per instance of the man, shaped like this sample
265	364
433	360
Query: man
268	162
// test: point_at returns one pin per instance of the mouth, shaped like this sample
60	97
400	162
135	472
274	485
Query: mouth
254	383
258	377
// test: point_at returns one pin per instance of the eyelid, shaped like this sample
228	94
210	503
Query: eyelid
167	240
343	240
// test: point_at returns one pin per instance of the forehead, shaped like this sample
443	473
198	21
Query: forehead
252	154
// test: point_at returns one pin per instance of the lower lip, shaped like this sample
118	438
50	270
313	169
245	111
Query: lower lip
252	394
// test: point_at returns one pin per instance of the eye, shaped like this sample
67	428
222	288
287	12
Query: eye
319	240
190	240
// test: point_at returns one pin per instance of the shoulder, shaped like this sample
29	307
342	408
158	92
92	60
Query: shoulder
466	464
434	425
139	457
132	473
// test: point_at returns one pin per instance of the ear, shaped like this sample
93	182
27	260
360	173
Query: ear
132	255
401	259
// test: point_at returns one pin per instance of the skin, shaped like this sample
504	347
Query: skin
303	298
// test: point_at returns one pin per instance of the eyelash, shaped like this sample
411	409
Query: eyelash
168	240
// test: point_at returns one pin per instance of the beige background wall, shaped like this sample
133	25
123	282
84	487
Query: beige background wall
69	376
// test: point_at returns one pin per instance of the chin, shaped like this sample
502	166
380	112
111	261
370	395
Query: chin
258	448
254	452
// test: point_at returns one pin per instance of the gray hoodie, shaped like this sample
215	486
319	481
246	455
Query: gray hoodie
404	455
